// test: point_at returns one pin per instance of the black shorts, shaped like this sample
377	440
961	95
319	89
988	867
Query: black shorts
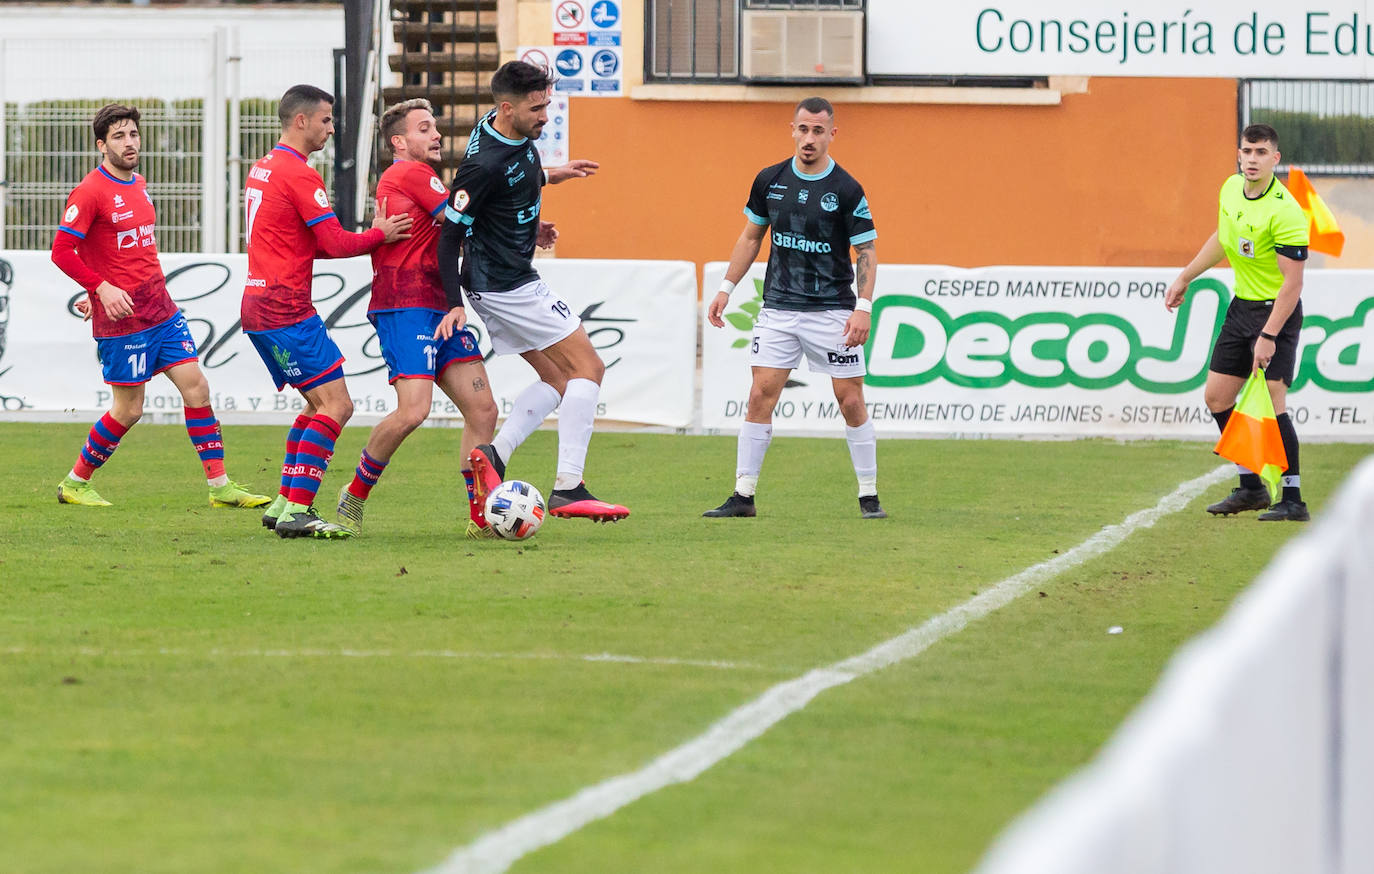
1234	352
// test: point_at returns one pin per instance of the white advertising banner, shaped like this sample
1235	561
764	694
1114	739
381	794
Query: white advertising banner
640	315
1226	38
1052	351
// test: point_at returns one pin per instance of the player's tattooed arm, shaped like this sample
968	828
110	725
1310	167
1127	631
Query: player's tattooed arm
856	327
865	268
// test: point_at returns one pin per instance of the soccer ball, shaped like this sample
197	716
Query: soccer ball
514	510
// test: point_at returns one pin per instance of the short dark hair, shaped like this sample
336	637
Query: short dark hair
301	98
108	115
1259	133
815	104
518	78
394	119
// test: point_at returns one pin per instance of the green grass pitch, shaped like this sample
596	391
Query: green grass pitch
182	691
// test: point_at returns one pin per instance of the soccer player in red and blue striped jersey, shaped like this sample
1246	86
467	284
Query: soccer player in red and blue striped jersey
289	220
107	243
407	303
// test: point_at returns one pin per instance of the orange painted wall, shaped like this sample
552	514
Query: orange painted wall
1124	175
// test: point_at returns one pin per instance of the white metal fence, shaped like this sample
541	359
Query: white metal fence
1256	752
200	125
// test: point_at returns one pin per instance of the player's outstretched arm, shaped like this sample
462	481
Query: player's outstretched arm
571	170
1207	257
332	241
741	257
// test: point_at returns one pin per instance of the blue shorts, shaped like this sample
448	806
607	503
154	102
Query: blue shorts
409	348
136	358
301	355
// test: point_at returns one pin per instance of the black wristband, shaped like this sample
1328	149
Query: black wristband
1273	338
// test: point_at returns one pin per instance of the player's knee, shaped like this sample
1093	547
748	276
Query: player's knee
196	394
593	368
411	418
760	406
1217	400
481	412
852	407
340	413
479	418
556	381
127	416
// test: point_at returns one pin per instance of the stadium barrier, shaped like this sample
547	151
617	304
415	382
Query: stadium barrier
1255	752
1003	351
641	316
1051	351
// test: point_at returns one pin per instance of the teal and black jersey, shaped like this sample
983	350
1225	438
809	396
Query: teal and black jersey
493	211
814	219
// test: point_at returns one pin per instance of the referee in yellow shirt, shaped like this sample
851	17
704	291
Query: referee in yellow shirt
1263	233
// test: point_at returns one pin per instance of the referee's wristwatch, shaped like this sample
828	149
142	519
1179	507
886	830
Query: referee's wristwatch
1272	338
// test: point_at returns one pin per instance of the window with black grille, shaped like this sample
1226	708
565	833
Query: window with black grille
755	41
773	42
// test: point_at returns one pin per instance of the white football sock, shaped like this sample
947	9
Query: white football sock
575	420
754	438
863	452
532	407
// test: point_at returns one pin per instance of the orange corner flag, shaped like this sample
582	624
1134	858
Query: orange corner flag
1252	435
1325	235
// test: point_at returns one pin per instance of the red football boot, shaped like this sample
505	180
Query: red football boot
579	503
487	472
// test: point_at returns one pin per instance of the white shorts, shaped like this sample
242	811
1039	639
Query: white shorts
525	318
781	336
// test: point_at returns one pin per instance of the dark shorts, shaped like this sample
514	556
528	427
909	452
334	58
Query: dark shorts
136	358
1234	352
409	348
302	355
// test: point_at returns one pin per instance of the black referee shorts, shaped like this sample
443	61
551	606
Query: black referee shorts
1234	351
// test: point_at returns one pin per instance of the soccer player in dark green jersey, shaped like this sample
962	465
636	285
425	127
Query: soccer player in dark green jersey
1263	233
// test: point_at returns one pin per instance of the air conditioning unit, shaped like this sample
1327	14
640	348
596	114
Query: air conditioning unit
795	44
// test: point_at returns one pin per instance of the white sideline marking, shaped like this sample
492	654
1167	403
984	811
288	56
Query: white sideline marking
498	850
387	654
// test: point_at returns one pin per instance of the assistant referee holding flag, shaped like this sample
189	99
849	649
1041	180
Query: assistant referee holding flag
1263	233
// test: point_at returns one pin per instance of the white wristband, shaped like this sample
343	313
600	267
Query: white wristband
546	176
863	305
726	286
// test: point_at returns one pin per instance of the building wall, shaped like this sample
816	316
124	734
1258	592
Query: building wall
1112	172
1125	173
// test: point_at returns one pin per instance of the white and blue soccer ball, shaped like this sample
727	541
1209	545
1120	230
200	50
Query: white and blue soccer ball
514	510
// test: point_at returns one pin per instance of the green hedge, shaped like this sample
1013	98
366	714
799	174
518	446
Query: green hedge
58	153
1307	139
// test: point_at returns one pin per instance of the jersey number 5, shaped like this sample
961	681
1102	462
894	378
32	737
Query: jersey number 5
252	199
